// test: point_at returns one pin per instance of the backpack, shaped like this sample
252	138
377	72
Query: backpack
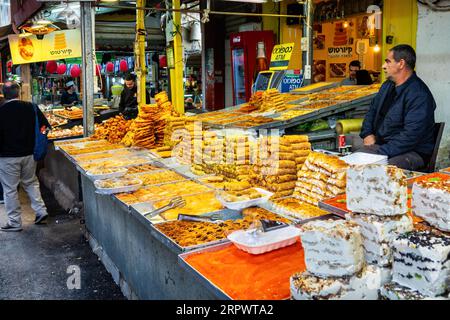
40	140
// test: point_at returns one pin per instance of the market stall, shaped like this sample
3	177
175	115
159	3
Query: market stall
181	258
128	179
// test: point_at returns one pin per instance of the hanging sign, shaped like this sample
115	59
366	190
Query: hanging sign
340	52
55	45
281	55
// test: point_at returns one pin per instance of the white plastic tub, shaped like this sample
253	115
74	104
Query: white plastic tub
264	241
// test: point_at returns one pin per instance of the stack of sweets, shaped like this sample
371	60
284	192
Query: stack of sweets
421	268
335	267
164	107
256	100
300	147
431	201
142	130
276	168
272	100
183	138
321	177
113	129
377	196
236	157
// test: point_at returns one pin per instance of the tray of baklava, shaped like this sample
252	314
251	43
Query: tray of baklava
190	233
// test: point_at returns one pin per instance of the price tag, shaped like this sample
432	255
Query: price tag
304	44
308	71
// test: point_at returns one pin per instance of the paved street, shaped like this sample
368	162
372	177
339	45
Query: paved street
34	262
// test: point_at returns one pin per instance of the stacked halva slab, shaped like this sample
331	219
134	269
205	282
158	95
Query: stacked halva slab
376	250
421	268
414	265
334	258
377	195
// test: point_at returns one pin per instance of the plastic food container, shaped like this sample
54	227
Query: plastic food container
261	242
136	184
239	205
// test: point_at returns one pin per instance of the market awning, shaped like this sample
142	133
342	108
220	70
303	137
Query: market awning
4	31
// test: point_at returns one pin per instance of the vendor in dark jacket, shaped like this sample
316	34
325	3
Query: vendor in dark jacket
69	97
400	121
128	104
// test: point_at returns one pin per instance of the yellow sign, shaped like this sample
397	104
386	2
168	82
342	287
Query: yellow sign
55	45
281	55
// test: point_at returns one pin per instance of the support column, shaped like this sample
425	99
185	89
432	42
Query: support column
139	61
25	76
177	82
87	46
307	55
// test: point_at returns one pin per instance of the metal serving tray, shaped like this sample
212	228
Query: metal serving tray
198	275
225	214
270	206
62	141
79	168
147	206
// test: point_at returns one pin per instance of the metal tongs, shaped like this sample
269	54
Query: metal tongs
214	218
176	202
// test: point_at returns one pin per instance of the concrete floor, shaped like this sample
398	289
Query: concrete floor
34	262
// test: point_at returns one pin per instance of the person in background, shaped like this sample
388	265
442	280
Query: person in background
363	78
400	121
354	66
17	165
69	97
128	104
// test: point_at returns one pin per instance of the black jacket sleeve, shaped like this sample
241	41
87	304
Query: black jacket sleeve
419	111
367	126
369	120
65	98
122	101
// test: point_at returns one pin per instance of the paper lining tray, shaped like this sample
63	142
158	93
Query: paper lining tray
226	214
76	137
120	168
146	205
112	153
65	141
81	143
145	160
198	275
269	205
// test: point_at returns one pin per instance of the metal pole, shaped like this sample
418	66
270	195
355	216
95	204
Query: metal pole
87	45
139	61
307	55
203	68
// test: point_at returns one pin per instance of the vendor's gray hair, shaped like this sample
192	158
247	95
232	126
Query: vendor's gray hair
405	52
